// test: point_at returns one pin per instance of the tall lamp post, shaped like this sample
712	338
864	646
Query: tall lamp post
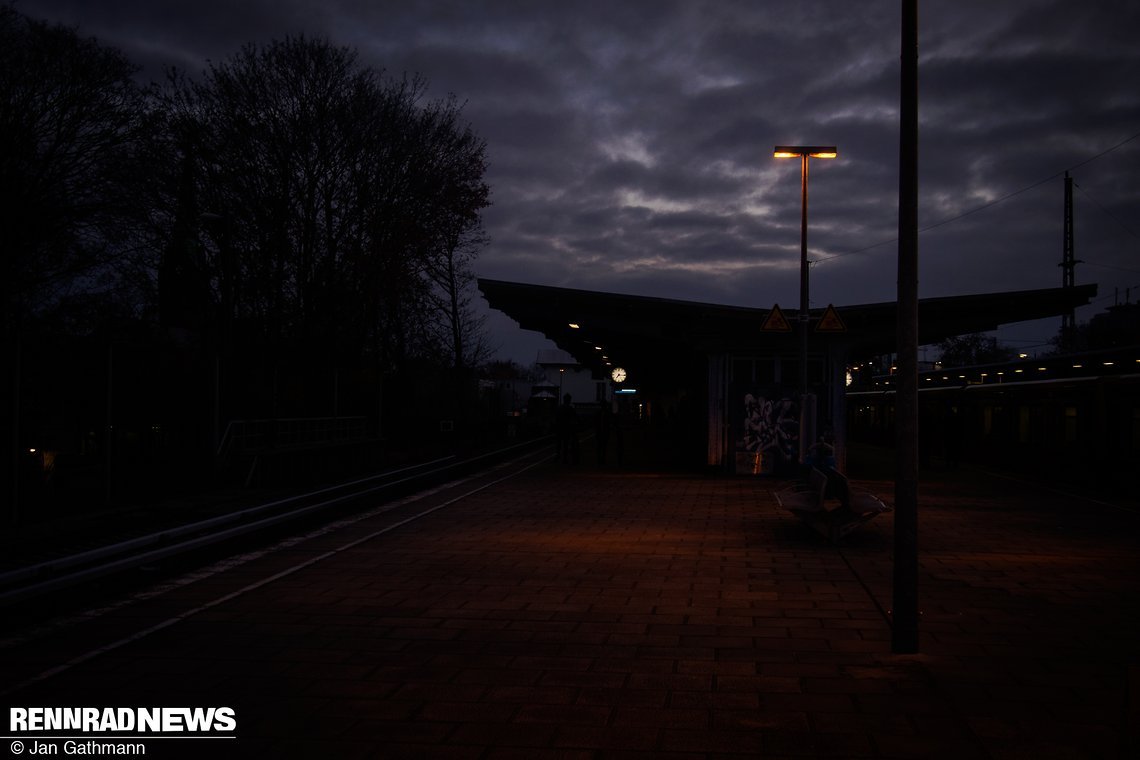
804	152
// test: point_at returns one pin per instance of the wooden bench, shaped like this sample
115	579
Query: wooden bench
808	501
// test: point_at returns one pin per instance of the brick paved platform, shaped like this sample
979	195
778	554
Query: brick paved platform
592	613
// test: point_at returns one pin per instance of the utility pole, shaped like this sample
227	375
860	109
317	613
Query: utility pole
1068	268
904	624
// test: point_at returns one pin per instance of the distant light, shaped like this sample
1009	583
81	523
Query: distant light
1109	364
31	451
1040	369
1023	356
626	391
1078	366
1018	371
850	378
961	377
597	348
575	326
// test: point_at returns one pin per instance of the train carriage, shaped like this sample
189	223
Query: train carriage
1081	429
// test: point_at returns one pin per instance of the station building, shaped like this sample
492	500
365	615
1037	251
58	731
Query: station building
726	379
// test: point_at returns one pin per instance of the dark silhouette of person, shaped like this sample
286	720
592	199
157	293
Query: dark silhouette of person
821	456
619	442
605	425
566	426
952	435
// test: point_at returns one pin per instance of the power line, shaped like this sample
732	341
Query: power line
994	202
1120	144
1113	296
1110	266
1108	213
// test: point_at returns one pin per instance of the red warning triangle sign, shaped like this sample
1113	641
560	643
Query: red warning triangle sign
776	321
830	321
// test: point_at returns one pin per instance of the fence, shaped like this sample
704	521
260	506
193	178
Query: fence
257	436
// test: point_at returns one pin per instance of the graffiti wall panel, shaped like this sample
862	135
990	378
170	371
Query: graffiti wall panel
767	433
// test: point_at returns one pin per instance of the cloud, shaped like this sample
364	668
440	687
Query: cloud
630	142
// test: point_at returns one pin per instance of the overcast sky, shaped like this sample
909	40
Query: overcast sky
630	142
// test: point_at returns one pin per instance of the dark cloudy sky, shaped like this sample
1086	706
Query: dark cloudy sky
630	141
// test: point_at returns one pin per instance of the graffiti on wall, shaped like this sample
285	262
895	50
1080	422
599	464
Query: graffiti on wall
770	438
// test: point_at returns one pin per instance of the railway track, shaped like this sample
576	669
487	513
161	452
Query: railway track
42	579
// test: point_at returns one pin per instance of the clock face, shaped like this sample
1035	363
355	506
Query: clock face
618	375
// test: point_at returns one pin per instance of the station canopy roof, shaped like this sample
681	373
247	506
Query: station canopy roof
653	335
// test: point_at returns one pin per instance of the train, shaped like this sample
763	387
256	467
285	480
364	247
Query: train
1071	420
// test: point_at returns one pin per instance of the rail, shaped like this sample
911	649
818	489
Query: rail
59	574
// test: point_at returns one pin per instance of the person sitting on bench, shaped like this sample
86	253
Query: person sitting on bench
821	456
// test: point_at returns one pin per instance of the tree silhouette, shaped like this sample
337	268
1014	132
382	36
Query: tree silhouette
72	127
288	209
331	192
975	348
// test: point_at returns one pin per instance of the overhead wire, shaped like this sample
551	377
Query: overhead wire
990	204
1107	213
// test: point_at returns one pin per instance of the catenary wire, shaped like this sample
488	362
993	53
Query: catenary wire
990	204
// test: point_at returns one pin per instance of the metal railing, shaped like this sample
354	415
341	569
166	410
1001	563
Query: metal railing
258	436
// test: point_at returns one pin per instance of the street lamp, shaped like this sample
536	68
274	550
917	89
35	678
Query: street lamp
804	152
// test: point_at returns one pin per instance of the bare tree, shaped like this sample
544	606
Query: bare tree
457	159
71	124
336	190
972	349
